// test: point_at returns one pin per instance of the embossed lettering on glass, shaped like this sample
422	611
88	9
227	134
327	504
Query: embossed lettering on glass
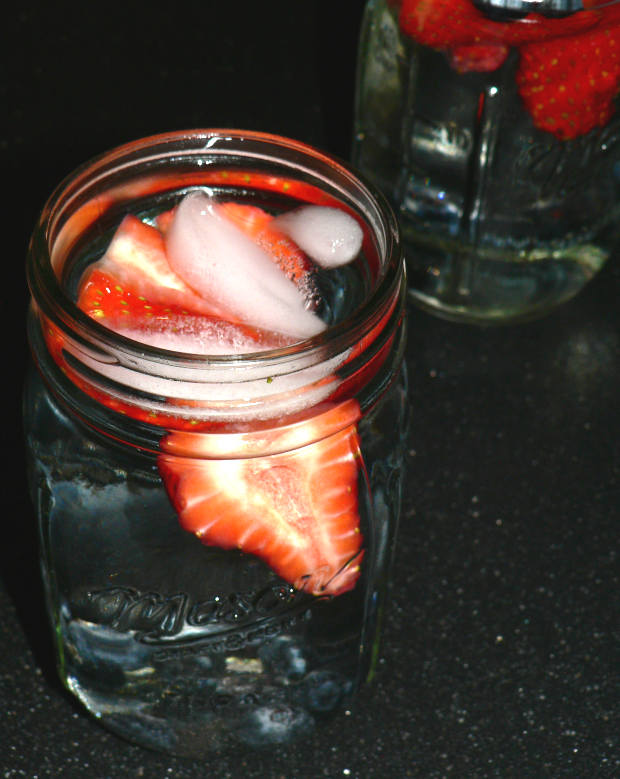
217	518
492	127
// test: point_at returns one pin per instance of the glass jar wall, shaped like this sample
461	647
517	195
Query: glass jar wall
168	629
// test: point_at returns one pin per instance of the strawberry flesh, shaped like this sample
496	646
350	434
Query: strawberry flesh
136	258
568	85
296	510
123	309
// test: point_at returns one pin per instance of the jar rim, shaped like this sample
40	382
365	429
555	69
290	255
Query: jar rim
49	294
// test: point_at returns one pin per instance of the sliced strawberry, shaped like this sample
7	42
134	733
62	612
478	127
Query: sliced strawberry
168	326
136	259
251	219
125	311
134	291
297	510
170	314
568	85
243	179
480	58
296	507
164	220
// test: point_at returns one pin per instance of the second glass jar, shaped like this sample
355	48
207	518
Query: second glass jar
492	127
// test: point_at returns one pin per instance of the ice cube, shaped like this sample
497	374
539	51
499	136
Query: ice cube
328	235
222	264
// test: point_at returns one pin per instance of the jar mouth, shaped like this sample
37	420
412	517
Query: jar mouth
241	386
75	204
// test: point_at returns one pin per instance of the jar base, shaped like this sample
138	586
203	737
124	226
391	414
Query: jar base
490	288
206	723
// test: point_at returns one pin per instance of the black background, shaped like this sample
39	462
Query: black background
501	655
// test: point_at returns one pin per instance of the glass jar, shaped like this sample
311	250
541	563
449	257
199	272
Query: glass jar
491	126
172	643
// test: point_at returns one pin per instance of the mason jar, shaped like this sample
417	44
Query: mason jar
491	125
176	637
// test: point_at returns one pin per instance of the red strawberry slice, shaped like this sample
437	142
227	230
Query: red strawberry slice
112	292
297	510
238	178
128	312
136	258
124	310
478	58
568	85
134	291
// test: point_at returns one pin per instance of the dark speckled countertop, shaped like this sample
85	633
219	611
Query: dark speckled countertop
501	653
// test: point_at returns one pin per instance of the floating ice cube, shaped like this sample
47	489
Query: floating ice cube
222	264
328	235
